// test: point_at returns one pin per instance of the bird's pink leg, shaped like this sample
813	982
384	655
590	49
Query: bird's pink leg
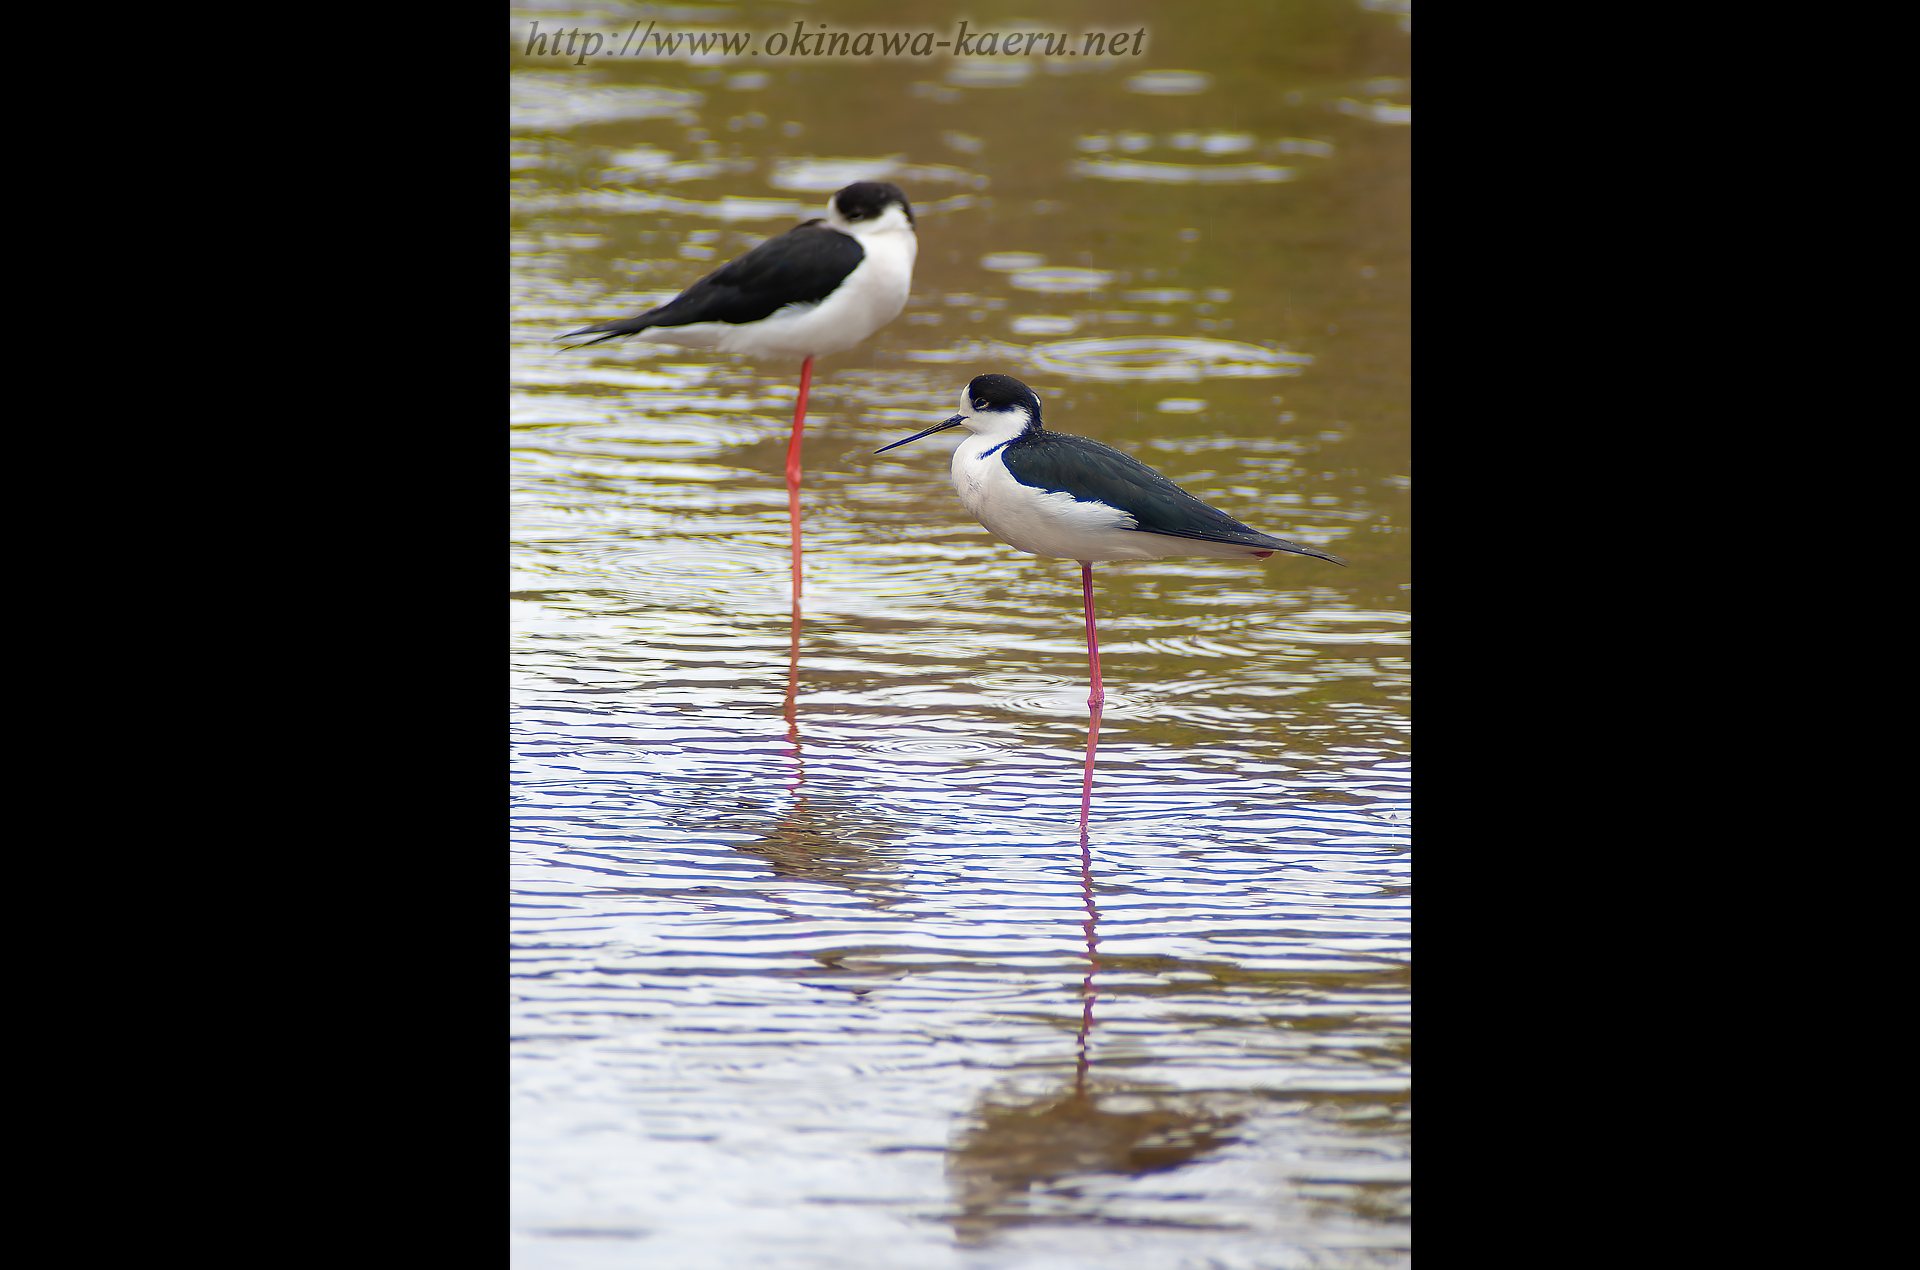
793	469
1095	698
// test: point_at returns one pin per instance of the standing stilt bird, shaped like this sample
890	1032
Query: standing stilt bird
1072	498
820	288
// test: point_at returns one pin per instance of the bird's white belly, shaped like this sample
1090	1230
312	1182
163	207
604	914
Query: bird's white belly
872	296
1047	524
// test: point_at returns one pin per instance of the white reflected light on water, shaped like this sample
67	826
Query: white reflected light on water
824	176
810	965
1122	360
1180	173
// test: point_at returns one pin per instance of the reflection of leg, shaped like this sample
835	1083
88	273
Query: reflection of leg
1086	780
1096	696
793	681
793	472
1092	928
797	777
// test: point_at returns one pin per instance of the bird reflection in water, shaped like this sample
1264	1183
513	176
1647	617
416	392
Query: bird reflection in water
1018	1161
830	839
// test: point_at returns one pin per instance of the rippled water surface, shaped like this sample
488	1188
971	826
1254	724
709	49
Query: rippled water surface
811	966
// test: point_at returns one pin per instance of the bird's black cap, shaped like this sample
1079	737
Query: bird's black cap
864	200
998	392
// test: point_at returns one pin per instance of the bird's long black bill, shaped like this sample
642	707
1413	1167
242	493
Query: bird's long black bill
954	422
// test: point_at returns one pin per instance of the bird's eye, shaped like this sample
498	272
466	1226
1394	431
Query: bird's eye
980	404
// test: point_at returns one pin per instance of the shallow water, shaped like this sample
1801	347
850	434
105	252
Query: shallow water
811	968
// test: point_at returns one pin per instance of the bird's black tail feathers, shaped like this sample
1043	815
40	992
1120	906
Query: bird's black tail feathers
626	326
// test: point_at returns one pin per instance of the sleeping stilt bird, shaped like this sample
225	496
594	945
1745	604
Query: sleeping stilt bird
820	288
1072	498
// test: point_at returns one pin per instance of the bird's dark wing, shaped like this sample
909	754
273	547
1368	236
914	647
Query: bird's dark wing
1096	473
801	266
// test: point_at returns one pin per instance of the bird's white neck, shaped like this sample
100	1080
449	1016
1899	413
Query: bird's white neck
993	427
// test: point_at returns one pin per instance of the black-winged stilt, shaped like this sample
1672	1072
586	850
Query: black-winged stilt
1072	498
820	288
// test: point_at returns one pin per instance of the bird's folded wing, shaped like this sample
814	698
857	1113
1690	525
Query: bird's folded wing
1092	472
801	266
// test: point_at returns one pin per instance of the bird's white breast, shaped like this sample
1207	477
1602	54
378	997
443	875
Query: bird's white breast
1052	524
